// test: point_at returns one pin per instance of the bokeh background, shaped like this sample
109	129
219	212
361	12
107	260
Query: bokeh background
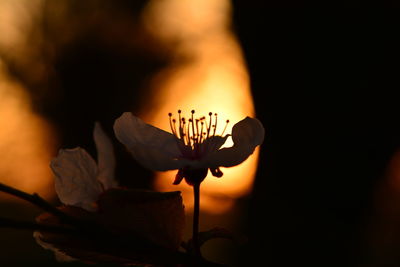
327	187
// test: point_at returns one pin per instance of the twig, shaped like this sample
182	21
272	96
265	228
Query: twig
36	200
95	231
24	225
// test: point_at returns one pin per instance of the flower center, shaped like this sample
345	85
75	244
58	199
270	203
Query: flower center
193	132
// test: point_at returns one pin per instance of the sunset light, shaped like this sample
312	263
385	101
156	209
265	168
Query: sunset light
208	75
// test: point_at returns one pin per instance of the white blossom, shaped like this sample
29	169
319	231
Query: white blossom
193	147
79	180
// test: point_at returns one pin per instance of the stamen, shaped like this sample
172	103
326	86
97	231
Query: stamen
188	132
180	124
215	126
197	131
193	132
182	128
209	125
226	124
174	128
185	131
201	134
170	123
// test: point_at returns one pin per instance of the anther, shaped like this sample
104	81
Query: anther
194	131
172	124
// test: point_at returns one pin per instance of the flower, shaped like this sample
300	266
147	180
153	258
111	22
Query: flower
193	147
79	180
111	224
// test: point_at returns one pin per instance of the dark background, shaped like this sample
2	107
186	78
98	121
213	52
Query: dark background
324	87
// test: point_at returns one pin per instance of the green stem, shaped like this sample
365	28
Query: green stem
196	213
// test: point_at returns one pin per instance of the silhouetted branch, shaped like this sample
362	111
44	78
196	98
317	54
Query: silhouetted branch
24	225
36	200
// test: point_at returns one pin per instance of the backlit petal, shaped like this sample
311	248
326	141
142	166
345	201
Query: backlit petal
247	134
105	158
152	147
75	178
154	159
213	143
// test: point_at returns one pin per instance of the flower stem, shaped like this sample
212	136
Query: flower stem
196	213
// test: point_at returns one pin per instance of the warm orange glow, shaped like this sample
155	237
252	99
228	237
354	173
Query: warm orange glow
209	75
26	142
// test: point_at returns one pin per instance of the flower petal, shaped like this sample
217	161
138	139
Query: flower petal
105	158
75	180
247	134
213	143
156	160
152	147
60	256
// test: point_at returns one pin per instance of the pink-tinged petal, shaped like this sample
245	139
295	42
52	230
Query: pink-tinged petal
105	158
75	178
152	147
247	134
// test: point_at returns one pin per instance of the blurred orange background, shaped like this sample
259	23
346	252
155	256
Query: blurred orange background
325	191
198	65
